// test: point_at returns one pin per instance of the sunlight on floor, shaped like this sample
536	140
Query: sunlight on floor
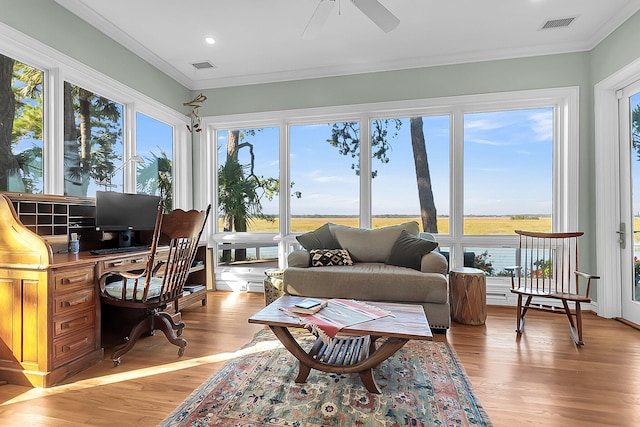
140	373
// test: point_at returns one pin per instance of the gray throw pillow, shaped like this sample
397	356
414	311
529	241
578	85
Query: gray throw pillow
320	238
408	251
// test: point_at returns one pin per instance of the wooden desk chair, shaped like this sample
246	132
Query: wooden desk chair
548	269
161	282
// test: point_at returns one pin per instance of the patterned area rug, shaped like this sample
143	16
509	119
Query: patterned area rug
423	384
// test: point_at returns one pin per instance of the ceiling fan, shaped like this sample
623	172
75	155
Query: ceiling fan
373	9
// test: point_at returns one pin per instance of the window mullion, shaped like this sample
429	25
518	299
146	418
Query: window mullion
457	186
365	172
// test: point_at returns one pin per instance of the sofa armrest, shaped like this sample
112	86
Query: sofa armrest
299	258
434	262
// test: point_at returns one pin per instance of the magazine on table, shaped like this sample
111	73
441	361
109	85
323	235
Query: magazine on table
334	314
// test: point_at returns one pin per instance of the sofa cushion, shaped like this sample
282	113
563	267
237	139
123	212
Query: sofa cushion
373	245
367	282
328	257
320	238
408	251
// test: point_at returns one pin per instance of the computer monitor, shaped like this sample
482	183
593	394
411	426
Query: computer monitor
124	213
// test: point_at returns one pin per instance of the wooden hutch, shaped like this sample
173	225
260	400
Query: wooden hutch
50	321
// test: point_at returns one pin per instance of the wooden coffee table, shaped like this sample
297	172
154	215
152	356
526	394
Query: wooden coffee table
355	349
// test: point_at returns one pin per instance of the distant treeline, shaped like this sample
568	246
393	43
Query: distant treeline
513	217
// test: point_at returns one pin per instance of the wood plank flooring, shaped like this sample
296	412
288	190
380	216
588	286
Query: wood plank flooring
540	379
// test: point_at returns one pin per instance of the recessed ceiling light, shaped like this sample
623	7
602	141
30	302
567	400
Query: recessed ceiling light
209	40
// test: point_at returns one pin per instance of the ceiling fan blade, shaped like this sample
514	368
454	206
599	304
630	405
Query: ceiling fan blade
380	15
318	19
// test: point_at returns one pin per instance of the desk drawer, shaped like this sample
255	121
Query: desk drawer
69	323
72	346
137	262
74	301
65	279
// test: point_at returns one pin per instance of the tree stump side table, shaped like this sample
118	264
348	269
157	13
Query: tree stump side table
468	293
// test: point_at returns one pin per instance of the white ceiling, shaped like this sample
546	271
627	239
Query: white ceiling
260	41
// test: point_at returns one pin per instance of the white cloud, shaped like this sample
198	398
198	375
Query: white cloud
482	124
542	126
486	142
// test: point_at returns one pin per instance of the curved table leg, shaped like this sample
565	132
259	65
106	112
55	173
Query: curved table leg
364	367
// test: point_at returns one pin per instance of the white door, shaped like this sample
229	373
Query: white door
629	108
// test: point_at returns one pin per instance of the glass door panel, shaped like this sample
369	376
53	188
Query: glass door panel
629	106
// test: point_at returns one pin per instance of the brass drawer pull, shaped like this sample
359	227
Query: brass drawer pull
76	279
116	263
74	323
77	344
77	301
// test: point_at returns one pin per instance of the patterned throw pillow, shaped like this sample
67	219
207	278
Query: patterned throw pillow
327	257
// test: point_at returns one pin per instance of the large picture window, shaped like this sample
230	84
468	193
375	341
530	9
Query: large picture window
65	129
471	172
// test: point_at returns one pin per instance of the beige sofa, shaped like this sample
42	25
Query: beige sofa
386	264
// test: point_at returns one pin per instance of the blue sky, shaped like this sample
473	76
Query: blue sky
635	164
507	167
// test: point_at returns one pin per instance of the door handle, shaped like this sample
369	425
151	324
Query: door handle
622	235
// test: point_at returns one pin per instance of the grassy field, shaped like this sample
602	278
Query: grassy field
475	225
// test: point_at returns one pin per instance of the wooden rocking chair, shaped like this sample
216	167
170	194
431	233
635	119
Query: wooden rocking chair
549	270
161	283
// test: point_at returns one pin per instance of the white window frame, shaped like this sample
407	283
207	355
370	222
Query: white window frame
565	104
59	68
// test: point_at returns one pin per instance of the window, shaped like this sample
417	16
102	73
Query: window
154	145
406	152
92	142
508	171
248	188
325	169
71	137
495	163
248	184
21	127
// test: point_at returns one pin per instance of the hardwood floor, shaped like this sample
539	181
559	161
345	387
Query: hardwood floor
541	379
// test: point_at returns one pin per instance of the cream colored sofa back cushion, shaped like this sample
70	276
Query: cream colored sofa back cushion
373	245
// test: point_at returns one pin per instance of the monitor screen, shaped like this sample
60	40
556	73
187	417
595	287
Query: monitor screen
123	211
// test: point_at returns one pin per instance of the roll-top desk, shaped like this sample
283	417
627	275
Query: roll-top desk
50	315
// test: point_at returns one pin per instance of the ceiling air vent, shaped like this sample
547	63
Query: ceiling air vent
204	65
557	23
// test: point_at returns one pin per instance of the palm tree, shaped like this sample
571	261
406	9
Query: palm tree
155	177
238	199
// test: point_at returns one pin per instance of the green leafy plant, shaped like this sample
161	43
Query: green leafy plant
482	262
543	269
